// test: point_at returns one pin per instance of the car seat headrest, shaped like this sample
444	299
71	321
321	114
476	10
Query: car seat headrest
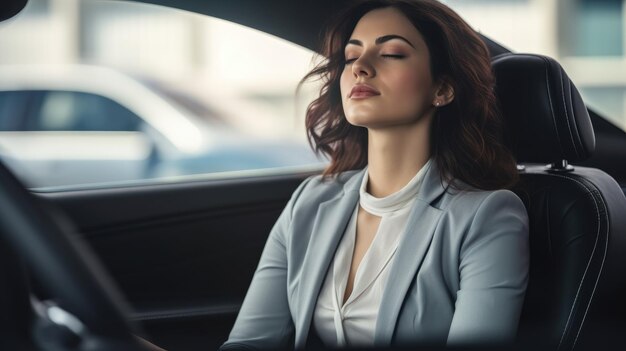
546	120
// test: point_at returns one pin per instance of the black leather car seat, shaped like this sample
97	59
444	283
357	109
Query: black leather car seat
576	295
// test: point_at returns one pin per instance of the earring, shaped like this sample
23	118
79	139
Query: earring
437	103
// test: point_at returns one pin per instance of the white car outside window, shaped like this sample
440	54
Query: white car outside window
84	124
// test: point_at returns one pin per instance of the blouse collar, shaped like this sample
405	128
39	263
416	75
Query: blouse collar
380	206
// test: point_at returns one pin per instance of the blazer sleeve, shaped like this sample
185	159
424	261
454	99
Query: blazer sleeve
264	320
493	269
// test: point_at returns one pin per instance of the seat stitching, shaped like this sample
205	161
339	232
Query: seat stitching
578	133
569	127
606	247
588	262
556	129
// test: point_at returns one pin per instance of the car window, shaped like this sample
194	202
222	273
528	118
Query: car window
12	103
77	111
188	103
184	94
586	36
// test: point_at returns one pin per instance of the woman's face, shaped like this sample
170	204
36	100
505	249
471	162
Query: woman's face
386	81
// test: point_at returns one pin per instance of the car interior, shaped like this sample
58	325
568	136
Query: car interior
576	231
87	269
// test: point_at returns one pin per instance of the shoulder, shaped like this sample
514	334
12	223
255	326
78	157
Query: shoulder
298	217
497	206
468	197
480	209
317	189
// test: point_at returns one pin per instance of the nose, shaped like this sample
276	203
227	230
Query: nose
363	68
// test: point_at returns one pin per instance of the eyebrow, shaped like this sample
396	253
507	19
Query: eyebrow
381	40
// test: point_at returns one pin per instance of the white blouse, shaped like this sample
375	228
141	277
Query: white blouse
353	323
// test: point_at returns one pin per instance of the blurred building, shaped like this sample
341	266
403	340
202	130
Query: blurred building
585	36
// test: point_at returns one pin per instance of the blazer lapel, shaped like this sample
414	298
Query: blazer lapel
410	253
330	223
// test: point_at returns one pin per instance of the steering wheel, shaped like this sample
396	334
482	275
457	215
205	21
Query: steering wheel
86	302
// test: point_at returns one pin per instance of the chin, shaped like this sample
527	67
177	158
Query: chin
371	120
364	117
364	121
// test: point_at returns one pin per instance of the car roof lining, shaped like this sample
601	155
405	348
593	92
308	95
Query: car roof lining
300	22
10	8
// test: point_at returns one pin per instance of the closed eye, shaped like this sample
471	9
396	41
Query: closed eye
393	56
388	56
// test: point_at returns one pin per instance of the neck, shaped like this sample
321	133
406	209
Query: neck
395	155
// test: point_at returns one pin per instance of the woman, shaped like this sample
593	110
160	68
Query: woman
407	237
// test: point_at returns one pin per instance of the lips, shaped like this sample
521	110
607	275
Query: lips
361	91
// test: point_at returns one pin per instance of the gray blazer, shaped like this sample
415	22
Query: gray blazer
458	276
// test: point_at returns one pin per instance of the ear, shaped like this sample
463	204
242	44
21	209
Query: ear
444	93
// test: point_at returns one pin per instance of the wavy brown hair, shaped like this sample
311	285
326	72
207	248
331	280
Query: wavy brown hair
465	134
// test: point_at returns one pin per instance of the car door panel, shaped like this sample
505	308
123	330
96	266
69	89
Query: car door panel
184	253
